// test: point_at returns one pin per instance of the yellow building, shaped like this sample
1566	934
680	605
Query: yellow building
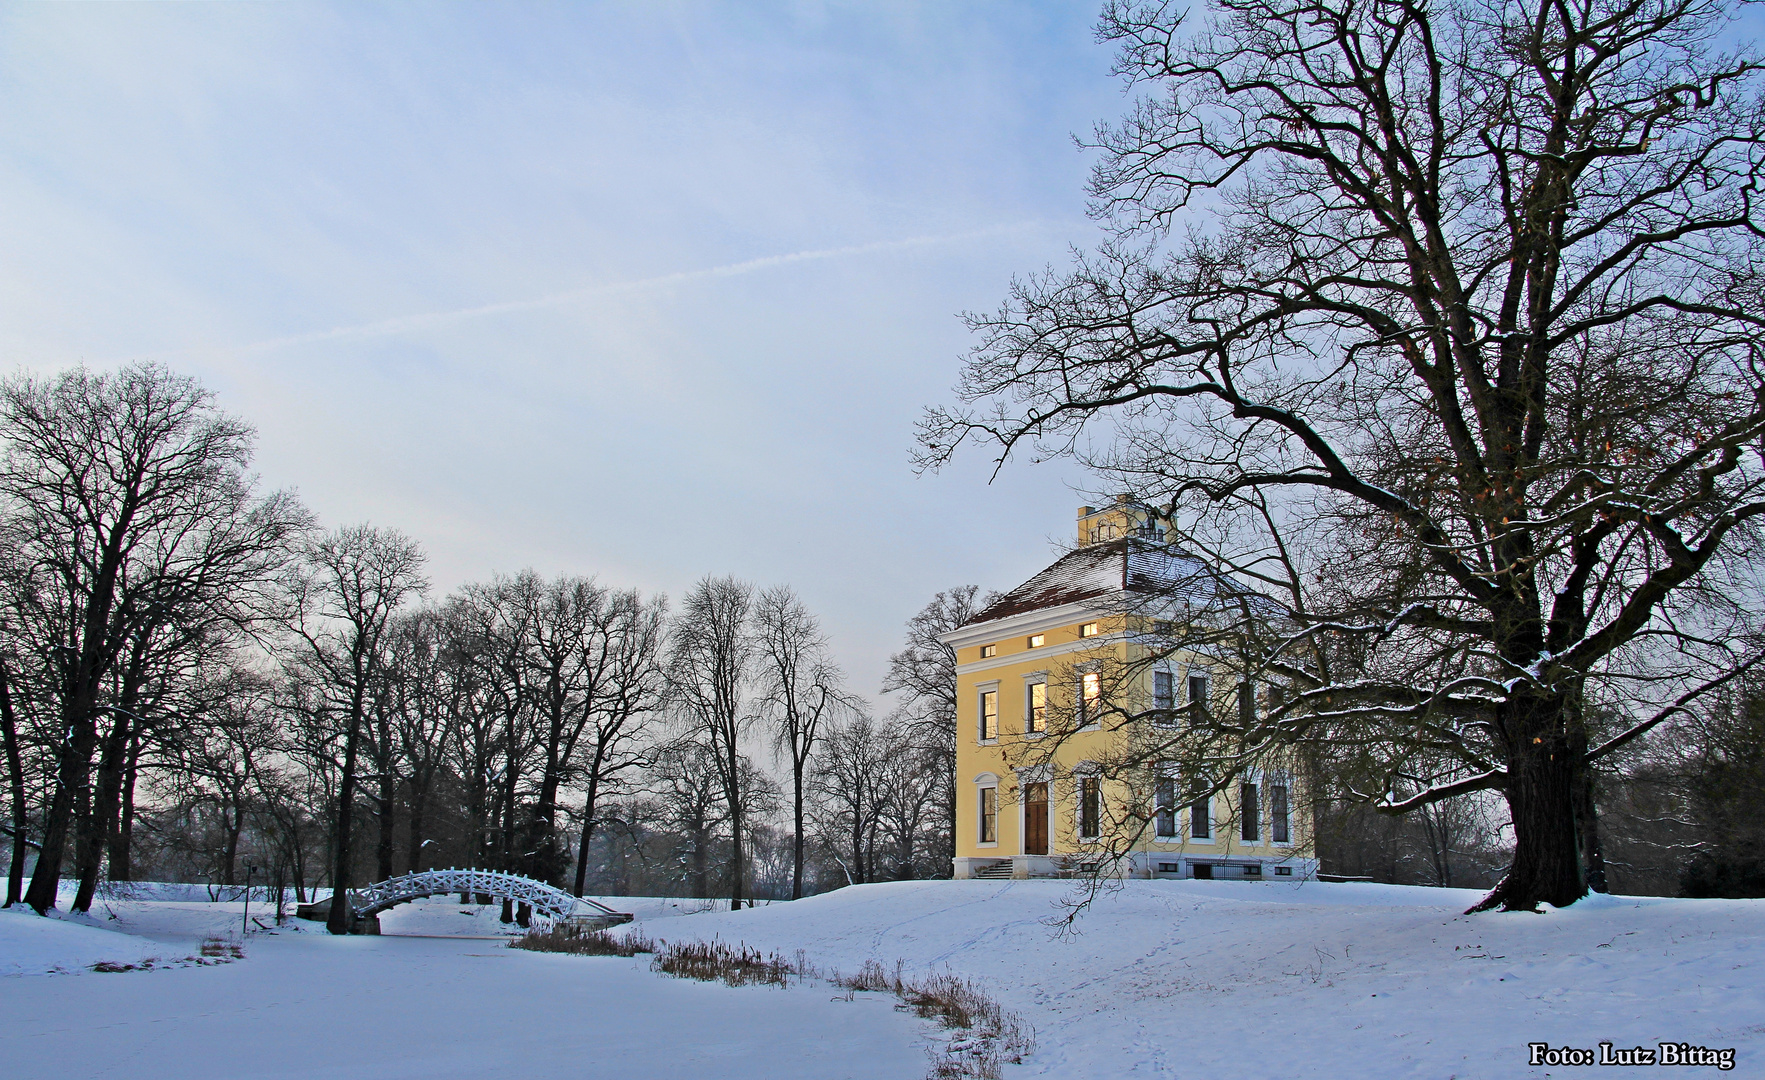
1077	749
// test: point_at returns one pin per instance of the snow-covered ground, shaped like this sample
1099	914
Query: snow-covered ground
1252	979
1161	978
305	1005
33	946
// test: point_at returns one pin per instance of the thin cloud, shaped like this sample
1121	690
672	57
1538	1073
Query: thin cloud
428	320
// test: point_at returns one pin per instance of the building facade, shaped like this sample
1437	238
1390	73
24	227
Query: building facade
1073	711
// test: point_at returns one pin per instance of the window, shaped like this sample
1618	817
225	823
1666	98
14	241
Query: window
1088	630
1277	697
1162	697
989	815
989	650
1247	703
1201	819
989	715
1090	697
1198	697
1278	830
1036	709
1090	806
1036	640
1166	799
1283	871
1249	814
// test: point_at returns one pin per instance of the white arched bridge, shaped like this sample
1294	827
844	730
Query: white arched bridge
370	900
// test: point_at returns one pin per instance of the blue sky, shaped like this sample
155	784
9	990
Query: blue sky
645	291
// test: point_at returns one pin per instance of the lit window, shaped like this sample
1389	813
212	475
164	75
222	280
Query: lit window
989	815
1090	697
1036	640
1090	806
1036	711
1162	697
1249	814
1088	630
989	650
1278	828
989	715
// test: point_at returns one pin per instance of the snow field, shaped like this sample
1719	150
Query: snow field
1252	979
307	1006
1159	978
30	945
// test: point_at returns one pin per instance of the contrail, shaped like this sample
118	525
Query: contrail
403	323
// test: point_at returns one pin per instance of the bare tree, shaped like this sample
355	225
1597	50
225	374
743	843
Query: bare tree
800	690
850	795
924	674
18	802
217	758
688	803
354	580
1463	371
425	682
127	498
709	668
627	691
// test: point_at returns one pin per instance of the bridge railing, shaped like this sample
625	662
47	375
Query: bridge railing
545	899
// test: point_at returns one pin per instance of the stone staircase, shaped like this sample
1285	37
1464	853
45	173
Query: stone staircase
999	871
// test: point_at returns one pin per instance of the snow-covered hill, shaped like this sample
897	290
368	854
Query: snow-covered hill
1251	979
30	945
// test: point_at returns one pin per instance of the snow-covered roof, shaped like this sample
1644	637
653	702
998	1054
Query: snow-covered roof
1113	572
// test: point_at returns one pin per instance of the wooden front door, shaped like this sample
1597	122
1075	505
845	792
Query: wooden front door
1035	819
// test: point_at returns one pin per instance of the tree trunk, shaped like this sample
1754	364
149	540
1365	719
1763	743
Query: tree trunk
235	818
72	774
387	800
337	921
590	797
122	843
1545	782
419	803
542	862
797	834
15	773
737	867
96	826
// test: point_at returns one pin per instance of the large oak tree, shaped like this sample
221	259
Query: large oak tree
1441	325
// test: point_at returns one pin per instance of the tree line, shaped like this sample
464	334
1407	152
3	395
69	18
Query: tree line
198	680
